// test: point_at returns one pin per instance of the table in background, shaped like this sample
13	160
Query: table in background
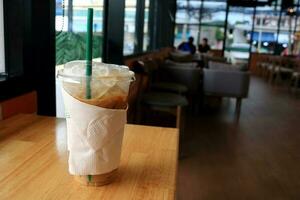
33	162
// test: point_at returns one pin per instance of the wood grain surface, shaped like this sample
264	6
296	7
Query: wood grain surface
33	162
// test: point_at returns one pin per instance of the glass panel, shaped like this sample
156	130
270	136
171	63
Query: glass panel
214	12
214	34
296	47
71	29
297	22
188	12
181	14
187	21
184	31
285	37
71	17
146	24
2	55
129	27
265	29
238	36
213	22
288	38
179	37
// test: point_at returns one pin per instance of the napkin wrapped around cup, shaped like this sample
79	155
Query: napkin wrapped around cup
95	137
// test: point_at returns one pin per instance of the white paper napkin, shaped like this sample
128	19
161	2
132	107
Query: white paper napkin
94	137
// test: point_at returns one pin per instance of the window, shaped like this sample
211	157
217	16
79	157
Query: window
239	21
265	29
2	54
146	39
289	26
214	34
213	22
238	35
187	20
71	36
184	31
71	30
200	19
129	27
188	11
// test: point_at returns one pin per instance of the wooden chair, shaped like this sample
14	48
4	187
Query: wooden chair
262	64
282	66
295	78
133	94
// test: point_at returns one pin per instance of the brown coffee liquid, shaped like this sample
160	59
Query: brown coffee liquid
114	102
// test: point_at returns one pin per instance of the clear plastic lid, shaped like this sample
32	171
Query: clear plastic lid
100	71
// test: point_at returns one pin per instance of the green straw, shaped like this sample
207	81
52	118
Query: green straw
89	52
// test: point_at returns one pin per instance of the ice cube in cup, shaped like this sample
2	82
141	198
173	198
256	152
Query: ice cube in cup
109	83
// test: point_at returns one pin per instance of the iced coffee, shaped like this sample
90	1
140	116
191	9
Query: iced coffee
95	125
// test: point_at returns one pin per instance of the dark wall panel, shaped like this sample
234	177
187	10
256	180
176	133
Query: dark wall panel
18	49
43	33
162	23
113	31
14	36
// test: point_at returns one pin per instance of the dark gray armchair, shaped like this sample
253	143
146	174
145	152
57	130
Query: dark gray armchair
226	81
184	73
208	58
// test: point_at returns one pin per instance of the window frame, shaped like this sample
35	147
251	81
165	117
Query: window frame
2	35
139	27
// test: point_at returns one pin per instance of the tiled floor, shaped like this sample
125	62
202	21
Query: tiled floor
257	159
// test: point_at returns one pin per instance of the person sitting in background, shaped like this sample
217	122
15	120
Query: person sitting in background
204	47
188	46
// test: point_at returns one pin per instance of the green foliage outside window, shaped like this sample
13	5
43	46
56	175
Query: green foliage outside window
71	46
219	34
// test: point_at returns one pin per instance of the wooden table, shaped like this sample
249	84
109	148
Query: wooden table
33	162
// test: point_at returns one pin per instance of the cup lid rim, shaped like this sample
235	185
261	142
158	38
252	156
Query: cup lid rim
130	76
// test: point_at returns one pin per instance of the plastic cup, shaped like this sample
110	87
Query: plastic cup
109	85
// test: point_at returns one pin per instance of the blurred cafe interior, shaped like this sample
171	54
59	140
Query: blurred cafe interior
198	99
